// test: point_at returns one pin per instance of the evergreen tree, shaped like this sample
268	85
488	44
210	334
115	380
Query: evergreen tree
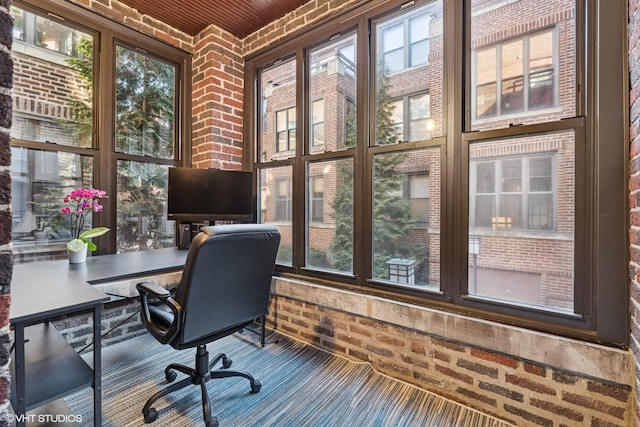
392	221
342	244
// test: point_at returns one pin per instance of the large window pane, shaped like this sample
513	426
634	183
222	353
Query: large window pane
275	202
278	125
521	71
406	218
409	79
39	181
333	71
329	223
145	105
52	87
142	207
522	224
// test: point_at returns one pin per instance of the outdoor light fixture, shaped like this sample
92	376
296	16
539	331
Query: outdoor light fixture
402	270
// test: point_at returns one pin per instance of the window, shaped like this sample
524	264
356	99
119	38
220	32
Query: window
411	118
316	198
405	41
59	145
418	194
317	123
35	30
144	123
286	129
400	213
283	199
329	238
514	193
516	76
349	122
488	204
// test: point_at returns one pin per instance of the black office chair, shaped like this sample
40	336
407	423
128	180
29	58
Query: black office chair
224	287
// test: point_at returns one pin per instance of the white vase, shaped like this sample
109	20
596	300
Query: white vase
78	257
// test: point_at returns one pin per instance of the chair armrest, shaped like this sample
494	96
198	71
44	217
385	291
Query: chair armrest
160	332
153	288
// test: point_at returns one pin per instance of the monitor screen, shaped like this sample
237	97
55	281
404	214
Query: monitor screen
210	194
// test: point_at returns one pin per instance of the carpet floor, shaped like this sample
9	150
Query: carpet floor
301	386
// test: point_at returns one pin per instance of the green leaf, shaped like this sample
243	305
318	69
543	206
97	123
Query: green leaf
94	232
91	246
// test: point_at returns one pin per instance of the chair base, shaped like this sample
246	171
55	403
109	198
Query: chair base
200	375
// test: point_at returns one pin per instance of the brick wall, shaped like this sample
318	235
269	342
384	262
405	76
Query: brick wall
120	322
130	17
6	263
634	189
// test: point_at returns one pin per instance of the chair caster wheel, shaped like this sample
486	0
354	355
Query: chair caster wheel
150	416
226	363
213	422
256	386
170	375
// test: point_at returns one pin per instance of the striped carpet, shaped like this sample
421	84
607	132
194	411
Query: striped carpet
301	386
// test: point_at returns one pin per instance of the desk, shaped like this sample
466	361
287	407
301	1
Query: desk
45	367
51	369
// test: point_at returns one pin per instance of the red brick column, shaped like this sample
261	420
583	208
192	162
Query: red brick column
634	187
218	85
6	263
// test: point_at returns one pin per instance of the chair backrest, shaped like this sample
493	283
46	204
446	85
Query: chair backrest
227	276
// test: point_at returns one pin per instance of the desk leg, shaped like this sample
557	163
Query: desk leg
20	379
97	365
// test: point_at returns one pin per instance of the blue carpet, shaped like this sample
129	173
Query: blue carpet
301	386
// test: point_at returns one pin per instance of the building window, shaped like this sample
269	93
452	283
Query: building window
411	118
317	124
58	145
286	129
284	200
405	41
516	76
513	193
316	199
349	122
35	30
277	133
418	194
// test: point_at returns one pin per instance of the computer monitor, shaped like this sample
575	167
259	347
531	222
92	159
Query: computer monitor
197	195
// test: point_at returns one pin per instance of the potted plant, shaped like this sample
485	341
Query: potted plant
78	205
